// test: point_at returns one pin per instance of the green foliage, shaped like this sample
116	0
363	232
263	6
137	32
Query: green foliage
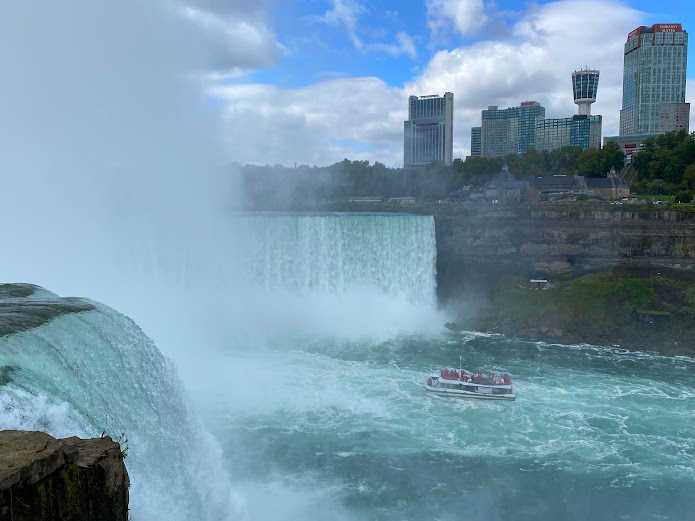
278	187
683	197
589	306
666	165
590	163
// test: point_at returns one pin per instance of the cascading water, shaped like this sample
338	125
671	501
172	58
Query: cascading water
95	371
336	253
323	415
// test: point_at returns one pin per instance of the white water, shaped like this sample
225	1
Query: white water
96	371
335	254
93	372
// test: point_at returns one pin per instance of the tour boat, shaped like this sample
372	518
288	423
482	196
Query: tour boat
462	384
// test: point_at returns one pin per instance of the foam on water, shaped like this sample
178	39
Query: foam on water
587	422
83	374
310	376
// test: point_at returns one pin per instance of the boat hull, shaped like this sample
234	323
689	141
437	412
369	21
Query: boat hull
457	393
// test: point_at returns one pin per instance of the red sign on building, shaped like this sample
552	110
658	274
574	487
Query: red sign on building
668	28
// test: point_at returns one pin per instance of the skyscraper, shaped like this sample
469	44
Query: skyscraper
476	149
654	80
428	132
581	131
510	131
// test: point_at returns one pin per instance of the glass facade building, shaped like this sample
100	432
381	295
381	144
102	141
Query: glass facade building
428	131
584	89
510	131
577	131
654	77
673	116
476	149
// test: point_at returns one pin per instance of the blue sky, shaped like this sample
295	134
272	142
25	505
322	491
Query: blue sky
340	70
318	50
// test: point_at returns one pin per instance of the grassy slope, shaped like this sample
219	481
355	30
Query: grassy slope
636	310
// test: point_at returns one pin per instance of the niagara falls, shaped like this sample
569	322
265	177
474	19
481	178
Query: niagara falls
339	261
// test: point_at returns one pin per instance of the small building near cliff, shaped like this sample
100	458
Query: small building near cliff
608	187
555	187
505	188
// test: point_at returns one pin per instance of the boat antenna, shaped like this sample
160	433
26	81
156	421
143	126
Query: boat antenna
460	362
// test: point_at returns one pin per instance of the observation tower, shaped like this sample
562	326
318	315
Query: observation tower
584	86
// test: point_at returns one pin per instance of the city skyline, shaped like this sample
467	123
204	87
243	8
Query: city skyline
376	55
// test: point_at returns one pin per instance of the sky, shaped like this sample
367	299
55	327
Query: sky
324	80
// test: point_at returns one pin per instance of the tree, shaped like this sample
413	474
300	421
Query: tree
683	197
590	163
688	181
612	158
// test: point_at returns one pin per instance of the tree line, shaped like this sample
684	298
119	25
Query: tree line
270	187
666	166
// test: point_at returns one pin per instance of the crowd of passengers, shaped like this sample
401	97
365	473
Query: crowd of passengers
479	378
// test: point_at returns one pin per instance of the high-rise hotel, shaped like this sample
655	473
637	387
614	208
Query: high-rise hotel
654	76
517	130
654	81
428	134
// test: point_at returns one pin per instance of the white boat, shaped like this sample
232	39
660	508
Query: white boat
462	384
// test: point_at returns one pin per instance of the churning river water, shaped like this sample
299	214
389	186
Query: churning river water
343	430
316	410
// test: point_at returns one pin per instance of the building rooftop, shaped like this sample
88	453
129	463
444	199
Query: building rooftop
605	182
558	182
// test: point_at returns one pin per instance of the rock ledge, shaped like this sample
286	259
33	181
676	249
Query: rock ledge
44	478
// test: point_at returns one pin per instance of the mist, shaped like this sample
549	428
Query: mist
114	180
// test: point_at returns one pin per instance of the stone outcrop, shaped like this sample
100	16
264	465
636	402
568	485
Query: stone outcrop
21	309
476	244
71	479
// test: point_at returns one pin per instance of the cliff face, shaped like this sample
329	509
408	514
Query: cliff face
43	478
476	245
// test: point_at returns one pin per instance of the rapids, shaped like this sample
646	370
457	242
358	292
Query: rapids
328	429
317	410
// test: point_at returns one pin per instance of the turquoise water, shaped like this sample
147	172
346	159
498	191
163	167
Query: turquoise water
287	384
346	429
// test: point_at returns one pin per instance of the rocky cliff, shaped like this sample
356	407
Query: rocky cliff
43	478
477	244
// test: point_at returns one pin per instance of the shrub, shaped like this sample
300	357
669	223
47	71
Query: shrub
683	197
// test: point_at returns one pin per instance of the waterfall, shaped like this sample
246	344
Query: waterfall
334	253
96	371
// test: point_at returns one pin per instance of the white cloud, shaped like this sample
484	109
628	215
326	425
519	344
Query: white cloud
240	41
347	14
405	45
318	124
327	121
465	16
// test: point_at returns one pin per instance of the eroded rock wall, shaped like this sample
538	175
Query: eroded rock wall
476	244
43	478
